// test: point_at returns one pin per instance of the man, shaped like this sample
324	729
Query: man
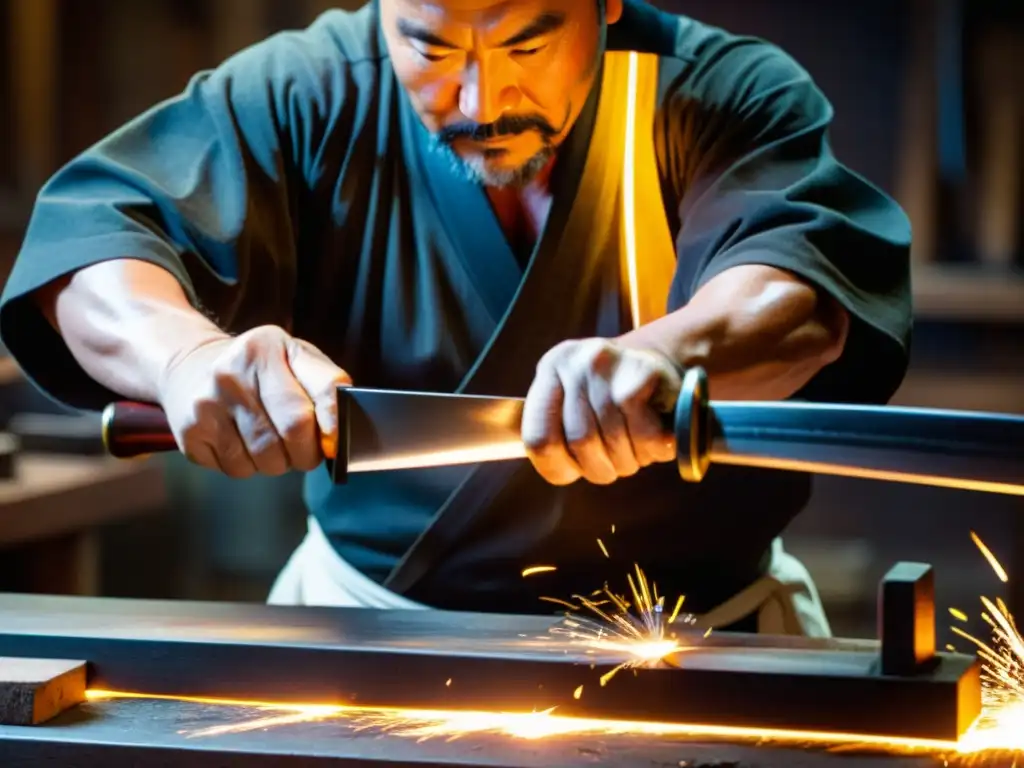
427	196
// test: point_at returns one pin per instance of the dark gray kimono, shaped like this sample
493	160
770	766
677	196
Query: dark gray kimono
293	186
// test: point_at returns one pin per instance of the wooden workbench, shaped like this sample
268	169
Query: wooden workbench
51	512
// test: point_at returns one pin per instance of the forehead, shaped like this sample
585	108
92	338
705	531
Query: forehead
482	14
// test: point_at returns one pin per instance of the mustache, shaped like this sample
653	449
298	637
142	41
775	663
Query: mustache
506	125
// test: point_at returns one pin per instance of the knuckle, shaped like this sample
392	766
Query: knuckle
581	440
229	447
194	426
561	352
598	355
251	347
263	443
226	383
298	426
606	409
538	443
630	393
326	394
190	435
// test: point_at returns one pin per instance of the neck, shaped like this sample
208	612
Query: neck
523	211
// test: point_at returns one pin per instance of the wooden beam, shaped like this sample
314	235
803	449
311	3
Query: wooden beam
33	691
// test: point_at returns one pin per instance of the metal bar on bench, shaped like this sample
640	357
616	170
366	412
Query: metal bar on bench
407	658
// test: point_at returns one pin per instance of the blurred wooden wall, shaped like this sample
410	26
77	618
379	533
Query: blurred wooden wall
72	70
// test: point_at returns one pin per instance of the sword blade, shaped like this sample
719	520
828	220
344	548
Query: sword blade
388	430
952	449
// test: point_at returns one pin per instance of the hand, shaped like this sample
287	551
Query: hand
595	411
260	403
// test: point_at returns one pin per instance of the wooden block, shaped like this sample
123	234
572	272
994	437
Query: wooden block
906	619
33	691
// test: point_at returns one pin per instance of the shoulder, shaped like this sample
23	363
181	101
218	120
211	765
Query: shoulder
348	38
719	72
741	74
339	52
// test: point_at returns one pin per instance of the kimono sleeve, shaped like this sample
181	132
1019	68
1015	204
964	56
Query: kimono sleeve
746	139
210	185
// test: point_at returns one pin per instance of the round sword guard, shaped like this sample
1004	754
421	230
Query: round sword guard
691	426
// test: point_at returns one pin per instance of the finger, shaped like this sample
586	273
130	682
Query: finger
542	430
320	378
229	448
208	438
296	423
613	428
239	394
260	437
293	415
582	433
634	386
202	455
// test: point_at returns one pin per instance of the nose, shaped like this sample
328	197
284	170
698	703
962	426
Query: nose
487	90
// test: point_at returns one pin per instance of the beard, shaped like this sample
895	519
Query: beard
478	169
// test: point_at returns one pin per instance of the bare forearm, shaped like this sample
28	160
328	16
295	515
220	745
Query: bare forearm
125	321
760	333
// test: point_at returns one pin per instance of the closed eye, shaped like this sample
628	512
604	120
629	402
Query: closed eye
431	54
528	51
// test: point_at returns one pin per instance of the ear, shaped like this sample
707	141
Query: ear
613	11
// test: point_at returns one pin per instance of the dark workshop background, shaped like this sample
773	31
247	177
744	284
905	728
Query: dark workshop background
929	104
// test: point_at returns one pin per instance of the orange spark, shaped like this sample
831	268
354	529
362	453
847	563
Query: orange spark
533	570
1000	571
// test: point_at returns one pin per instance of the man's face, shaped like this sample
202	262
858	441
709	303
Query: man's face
498	83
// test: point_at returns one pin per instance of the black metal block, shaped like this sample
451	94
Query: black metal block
438	660
906	619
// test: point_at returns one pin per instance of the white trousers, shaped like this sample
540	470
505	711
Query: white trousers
784	599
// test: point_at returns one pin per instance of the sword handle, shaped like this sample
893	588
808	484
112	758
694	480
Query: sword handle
692	426
133	430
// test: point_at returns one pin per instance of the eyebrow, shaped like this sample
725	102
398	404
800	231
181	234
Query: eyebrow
544	24
414	31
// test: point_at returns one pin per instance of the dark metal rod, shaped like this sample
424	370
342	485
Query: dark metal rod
951	449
